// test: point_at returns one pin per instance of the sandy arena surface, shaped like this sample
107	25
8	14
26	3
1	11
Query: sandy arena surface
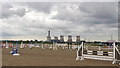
47	57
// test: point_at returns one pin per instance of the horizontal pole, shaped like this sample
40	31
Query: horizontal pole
97	52
98	57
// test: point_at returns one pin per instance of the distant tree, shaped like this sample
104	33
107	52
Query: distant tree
31	41
27	41
20	41
36	41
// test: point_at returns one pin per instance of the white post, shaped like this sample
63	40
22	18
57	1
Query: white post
82	57
69	46
6	45
21	46
56	45
42	45
78	57
114	59
53	46
63	46
99	47
30	46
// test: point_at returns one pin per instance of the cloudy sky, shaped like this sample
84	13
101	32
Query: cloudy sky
32	20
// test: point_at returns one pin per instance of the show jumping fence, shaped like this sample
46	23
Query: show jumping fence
113	55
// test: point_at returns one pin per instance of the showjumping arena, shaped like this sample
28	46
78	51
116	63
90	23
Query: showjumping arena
52	55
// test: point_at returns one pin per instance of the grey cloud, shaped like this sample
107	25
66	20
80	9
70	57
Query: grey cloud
103	13
91	13
37	6
6	12
90	19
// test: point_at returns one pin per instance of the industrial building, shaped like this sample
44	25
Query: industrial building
61	39
77	38
69	38
48	37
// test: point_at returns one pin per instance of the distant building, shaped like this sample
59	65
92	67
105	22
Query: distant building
69	38
48	37
55	38
77	38
61	38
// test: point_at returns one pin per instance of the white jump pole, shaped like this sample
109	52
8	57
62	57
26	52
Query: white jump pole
56	46
82	57
99	48
42	45
63	46
114	60
78	48
6	45
21	46
53	46
30	46
68	46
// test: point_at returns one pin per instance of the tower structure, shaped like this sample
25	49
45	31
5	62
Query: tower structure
77	38
69	38
56	38
61	38
48	37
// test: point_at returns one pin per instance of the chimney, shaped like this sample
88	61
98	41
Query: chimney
77	38
69	38
48	37
56	38
61	38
